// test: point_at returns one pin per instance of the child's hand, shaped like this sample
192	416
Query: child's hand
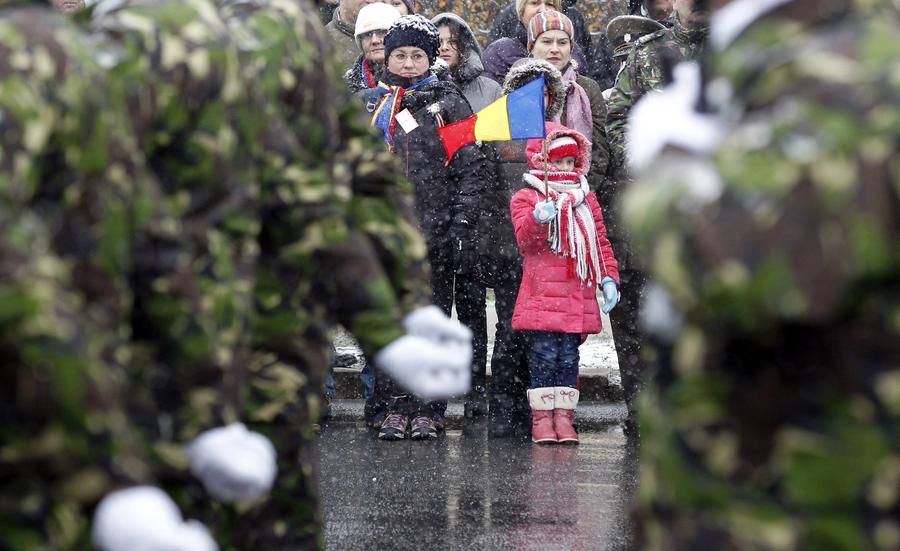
544	212
610	294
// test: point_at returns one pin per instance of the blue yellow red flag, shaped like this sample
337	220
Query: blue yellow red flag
516	116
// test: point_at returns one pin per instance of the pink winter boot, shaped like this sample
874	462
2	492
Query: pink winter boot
565	399
541	402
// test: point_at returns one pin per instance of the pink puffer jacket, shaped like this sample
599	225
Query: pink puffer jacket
550	299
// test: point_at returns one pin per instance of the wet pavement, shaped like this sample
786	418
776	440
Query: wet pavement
466	491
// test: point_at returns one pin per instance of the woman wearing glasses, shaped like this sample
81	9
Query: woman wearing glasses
413	103
372	24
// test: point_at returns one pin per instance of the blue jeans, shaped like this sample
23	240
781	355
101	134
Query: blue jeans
554	359
365	377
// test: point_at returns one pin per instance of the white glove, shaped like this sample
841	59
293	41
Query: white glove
143	518
431	322
434	361
429	369
668	119
233	463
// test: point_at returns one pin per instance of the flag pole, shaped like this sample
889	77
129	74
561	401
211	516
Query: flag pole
546	155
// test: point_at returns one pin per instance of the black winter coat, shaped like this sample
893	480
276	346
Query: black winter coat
447	196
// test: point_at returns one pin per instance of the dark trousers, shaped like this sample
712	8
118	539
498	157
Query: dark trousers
468	294
554	359
509	359
627	332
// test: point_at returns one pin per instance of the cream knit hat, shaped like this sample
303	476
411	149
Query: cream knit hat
374	17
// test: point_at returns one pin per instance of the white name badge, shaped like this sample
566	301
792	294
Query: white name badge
407	121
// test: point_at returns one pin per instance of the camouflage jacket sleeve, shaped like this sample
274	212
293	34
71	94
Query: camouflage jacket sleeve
618	106
641	73
348	203
67	216
823	170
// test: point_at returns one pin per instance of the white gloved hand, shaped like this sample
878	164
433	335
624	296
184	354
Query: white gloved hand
233	463
429	369
668	119
430	322
144	518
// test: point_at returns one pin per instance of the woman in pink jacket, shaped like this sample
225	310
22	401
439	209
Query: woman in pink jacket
560	232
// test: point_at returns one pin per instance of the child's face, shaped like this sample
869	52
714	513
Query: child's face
564	164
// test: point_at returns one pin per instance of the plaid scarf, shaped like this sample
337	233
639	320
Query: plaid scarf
573	233
386	111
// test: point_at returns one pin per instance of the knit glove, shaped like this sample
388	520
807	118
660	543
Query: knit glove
233	463
610	294
465	258
544	212
144	517
433	360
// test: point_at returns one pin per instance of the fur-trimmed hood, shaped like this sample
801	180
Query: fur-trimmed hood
534	151
527	69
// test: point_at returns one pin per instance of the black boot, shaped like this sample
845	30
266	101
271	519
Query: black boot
476	402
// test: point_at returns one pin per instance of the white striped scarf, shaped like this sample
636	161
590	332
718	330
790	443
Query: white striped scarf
573	232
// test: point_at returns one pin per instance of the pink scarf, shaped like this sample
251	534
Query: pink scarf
578	104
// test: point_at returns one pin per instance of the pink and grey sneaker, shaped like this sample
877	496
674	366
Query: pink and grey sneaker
393	427
423	428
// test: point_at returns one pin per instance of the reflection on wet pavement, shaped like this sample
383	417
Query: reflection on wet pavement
465	491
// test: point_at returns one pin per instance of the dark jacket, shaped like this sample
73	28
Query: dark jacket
596	58
447	196
501	54
356	75
600	150
479	90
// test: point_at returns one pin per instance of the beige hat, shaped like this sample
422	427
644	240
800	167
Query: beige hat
374	17
520	8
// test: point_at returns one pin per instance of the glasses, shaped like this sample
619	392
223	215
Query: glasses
400	57
379	33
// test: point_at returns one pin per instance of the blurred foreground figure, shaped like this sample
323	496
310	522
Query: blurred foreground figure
774	230
173	256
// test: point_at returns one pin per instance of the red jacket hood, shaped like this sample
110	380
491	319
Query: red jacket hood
534	151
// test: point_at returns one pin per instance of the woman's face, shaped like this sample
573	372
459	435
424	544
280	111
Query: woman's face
554	47
449	50
373	46
534	7
399	4
408	62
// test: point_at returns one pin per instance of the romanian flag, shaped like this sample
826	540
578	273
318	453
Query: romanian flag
517	116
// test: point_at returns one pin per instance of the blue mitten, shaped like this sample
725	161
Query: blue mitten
544	212
610	294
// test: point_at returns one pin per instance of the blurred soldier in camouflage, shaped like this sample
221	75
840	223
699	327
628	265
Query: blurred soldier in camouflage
289	204
644	70
777	424
221	282
73	193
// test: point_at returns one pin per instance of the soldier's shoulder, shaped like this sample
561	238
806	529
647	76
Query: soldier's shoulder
653	39
625	30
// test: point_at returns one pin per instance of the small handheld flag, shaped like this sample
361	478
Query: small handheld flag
516	116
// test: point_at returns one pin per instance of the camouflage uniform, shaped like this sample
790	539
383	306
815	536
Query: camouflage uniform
643	71
220	282
776	424
270	180
73	193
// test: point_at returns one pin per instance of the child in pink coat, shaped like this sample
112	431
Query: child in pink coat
567	255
